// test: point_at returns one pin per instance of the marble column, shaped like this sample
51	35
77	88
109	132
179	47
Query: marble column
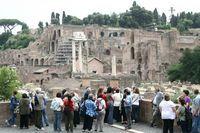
80	58
114	69
73	56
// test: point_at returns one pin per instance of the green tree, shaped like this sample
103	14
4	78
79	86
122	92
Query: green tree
4	37
163	19
9	24
156	16
18	41
188	69
9	81
114	20
40	25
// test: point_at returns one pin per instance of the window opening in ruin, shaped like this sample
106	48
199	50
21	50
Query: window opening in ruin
102	34
127	43
52	47
18	56
107	52
181	49
54	35
90	35
42	62
119	47
36	62
27	61
94	71
59	33
132	53
122	34
31	62
110	34
119	61
115	34
132	72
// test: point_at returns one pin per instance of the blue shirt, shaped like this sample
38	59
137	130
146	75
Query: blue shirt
128	101
90	107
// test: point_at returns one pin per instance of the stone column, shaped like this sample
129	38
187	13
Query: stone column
80	58
114	69
73	56
87	50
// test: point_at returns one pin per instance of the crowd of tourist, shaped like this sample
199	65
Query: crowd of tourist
108	105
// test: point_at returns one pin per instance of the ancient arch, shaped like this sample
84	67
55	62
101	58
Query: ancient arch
102	34
31	62
36	62
42	62
53	47
90	34
122	34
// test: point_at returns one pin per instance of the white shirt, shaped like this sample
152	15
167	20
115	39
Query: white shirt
136	98
60	101
117	97
166	108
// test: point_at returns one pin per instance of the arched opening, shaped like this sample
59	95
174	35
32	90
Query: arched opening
122	34
59	33
54	35
132	53
90	35
115	34
42	62
102	34
52	47
107	52
31	62
27	61
36	62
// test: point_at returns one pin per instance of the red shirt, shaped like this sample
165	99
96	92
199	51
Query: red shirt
69	103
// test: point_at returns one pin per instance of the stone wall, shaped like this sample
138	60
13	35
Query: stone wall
5	113
145	112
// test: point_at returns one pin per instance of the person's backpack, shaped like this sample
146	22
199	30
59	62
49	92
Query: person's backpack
36	101
99	105
83	109
66	108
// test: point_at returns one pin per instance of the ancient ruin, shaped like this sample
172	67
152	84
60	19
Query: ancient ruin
97	52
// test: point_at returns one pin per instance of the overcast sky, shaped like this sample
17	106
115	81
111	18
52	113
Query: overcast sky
33	11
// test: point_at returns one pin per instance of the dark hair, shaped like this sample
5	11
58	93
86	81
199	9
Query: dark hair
14	92
109	90
137	91
69	97
63	91
24	95
182	101
117	90
186	92
128	92
58	95
167	97
196	91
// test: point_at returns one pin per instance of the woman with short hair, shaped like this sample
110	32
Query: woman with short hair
90	113
167	109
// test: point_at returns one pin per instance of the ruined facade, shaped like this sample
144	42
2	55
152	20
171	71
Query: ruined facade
146	54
